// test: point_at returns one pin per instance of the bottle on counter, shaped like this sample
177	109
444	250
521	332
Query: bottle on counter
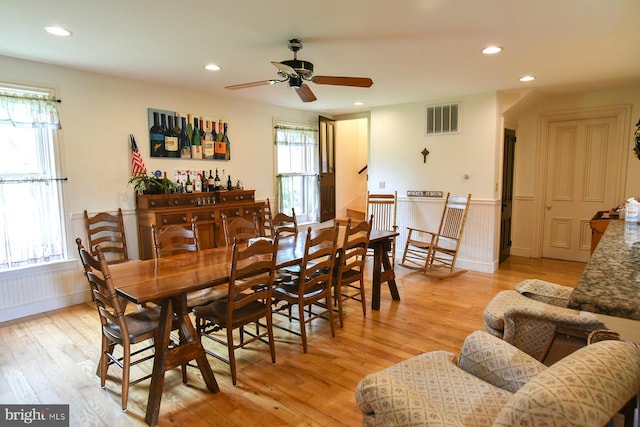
216	182
197	183
211	182
205	186
189	185
229	184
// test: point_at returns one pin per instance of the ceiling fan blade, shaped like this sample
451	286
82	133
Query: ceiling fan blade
305	93
343	81
284	68
252	84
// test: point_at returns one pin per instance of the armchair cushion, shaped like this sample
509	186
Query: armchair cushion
497	362
436	378
585	388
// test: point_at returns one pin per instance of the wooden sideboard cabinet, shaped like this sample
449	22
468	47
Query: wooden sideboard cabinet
205	208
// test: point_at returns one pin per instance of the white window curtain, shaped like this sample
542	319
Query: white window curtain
297	171
31	225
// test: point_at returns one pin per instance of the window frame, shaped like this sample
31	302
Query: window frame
49	164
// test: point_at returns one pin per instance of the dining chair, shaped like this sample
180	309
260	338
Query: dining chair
267	219
239	229
285	225
384	208
349	284
107	230
248	301
314	282
118	327
436	254
175	240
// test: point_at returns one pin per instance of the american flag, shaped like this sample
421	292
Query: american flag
137	165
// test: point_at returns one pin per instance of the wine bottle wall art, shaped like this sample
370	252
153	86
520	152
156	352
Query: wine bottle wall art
187	136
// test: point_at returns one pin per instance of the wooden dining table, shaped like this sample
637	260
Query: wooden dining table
167	281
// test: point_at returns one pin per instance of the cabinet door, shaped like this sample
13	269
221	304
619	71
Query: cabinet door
206	223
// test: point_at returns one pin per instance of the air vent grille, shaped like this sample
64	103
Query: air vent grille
442	119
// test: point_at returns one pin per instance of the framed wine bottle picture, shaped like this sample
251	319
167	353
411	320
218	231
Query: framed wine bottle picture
187	136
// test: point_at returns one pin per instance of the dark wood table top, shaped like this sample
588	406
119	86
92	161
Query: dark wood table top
155	279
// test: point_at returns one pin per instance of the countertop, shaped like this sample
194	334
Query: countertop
610	283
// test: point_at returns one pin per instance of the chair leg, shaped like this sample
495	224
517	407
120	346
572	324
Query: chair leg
338	299
232	354
362	299
332	326
126	371
303	328
272	344
107	347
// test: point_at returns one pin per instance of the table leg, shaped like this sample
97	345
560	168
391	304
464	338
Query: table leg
382	272
168	358
157	376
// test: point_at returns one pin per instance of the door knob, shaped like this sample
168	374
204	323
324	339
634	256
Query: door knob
548	206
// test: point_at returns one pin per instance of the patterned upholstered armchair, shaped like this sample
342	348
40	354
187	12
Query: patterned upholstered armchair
534	316
495	384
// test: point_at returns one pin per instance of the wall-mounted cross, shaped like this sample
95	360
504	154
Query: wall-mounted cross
425	153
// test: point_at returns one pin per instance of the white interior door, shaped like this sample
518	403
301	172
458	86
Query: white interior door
582	163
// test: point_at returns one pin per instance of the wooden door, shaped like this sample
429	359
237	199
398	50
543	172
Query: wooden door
582	163
507	193
327	175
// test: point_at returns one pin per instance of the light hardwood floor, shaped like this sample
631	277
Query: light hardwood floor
51	357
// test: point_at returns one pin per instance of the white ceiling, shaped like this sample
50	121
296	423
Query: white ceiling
412	49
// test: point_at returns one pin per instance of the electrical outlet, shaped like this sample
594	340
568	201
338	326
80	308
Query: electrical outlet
381	184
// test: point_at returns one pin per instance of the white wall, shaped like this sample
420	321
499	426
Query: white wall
526	205
462	163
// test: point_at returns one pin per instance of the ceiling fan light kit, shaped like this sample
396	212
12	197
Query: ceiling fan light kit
297	72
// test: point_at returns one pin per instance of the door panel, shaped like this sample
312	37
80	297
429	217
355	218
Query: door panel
327	168
581	170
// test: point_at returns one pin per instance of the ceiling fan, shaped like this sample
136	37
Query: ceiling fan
297	72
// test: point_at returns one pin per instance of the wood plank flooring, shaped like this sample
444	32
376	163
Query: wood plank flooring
51	357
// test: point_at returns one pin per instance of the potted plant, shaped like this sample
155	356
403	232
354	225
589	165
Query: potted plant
151	184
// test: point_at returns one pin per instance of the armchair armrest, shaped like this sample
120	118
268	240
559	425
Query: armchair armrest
385	400
498	362
419	230
533	328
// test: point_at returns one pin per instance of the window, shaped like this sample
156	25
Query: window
297	171
31	213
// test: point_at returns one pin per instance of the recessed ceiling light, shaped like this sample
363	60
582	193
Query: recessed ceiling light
527	78
491	50
212	67
358	103
57	31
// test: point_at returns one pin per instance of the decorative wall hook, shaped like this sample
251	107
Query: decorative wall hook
425	153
